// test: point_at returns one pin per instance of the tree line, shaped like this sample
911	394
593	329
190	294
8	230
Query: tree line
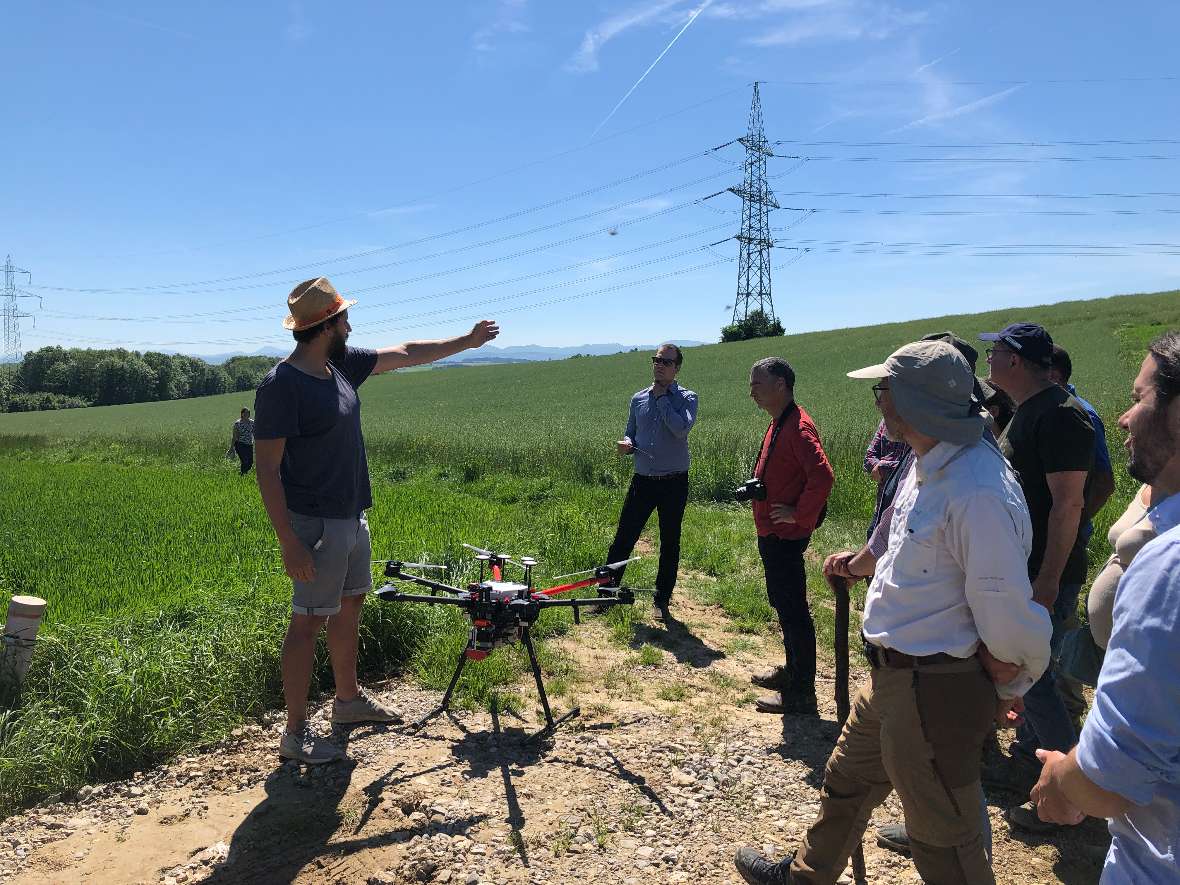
60	378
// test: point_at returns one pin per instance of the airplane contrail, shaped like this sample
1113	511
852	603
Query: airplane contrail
691	19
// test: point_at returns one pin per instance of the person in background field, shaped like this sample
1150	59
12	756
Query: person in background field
798	479
241	442
1050	444
953	578
658	423
1126	766
314	481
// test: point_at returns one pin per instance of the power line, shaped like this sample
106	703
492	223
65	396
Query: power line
953	196
1112	158
982	144
269	306
215	317
1064	213
233	342
446	191
191	286
969	245
984	251
1056	81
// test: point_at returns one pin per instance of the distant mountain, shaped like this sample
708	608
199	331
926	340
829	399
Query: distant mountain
489	353
217	359
527	353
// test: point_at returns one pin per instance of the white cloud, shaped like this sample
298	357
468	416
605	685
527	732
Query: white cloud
962	109
408	209
297	29
836	21
585	60
509	18
931	64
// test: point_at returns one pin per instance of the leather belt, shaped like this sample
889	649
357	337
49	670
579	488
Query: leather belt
682	473
879	657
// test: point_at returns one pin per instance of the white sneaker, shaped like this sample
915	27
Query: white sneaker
363	708
309	748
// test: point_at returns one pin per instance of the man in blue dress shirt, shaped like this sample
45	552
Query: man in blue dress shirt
1126	766
657	437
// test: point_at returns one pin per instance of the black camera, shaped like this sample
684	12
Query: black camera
751	490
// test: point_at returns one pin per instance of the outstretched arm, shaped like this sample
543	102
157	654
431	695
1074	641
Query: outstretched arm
417	353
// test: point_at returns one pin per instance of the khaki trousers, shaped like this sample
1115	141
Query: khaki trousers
921	732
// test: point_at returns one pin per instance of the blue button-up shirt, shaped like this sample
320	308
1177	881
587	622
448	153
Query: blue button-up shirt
659	428
1130	744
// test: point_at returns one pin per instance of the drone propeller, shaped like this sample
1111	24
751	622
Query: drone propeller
503	556
610	565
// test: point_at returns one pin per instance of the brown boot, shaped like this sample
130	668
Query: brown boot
775	678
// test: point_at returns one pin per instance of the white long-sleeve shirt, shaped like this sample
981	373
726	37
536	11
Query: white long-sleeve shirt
956	570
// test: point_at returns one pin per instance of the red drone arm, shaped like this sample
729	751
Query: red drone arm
577	585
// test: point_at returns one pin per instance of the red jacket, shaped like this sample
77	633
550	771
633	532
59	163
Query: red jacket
798	474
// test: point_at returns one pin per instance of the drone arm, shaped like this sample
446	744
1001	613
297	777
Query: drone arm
576	585
594	601
389	593
392	570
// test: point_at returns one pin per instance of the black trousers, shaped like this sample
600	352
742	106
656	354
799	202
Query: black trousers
245	455
668	496
786	588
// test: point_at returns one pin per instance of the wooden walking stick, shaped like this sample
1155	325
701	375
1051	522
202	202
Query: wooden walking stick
843	705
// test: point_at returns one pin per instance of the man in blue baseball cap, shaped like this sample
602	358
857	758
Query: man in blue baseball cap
1050	444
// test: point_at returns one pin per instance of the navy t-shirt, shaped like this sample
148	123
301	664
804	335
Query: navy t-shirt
324	470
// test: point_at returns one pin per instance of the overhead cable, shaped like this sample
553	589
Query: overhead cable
192	286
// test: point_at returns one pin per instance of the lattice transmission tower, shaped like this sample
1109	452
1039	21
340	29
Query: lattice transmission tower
11	296
753	284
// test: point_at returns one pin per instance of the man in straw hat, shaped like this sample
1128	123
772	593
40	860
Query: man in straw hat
314	481
952	577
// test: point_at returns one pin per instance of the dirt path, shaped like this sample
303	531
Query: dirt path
667	771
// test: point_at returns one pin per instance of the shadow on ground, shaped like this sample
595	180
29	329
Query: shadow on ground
676	638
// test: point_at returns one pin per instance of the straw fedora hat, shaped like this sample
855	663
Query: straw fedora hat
312	302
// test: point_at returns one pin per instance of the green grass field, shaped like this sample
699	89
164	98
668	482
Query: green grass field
167	598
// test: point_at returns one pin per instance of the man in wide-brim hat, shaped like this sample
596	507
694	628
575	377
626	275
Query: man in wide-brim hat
952	579
314	481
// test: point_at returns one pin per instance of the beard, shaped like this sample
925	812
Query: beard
1152	447
337	350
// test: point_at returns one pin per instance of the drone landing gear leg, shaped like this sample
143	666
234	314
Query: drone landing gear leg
446	701
551	723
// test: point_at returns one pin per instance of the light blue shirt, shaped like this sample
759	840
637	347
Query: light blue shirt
659	430
1130	744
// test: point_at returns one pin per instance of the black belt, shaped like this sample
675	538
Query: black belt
683	473
879	657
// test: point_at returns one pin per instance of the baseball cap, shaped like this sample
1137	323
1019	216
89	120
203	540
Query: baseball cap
931	384
1028	340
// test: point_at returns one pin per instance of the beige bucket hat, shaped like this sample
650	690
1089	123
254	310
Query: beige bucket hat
312	302
931	384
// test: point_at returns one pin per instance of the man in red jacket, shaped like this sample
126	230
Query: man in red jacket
798	479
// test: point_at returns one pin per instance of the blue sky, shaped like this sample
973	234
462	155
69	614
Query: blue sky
175	157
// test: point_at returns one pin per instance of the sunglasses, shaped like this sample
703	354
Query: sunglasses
662	361
878	391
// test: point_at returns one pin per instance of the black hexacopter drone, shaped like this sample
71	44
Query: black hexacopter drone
503	612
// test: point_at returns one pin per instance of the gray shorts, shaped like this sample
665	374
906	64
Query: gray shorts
342	551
